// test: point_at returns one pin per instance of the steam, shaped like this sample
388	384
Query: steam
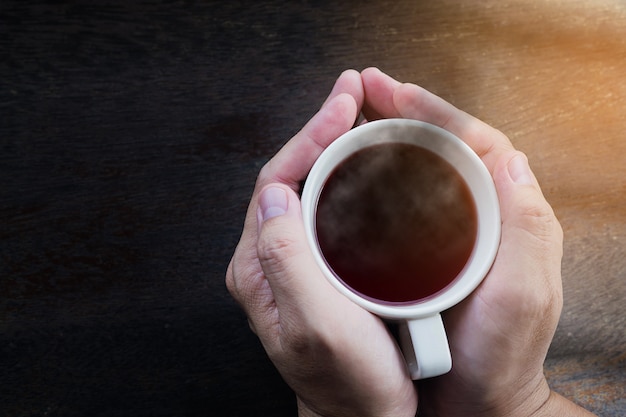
393	204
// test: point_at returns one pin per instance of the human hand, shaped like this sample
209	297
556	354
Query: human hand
499	336
338	358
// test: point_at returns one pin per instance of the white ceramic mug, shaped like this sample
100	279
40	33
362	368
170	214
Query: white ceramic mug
422	335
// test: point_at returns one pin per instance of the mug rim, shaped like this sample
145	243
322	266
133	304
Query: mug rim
452	149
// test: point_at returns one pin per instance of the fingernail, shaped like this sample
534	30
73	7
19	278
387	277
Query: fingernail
272	203
520	171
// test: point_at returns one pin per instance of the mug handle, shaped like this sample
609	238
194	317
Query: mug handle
425	346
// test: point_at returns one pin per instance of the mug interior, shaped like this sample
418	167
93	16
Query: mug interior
466	163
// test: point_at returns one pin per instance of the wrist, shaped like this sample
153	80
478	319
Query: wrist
306	411
542	402
523	402
557	405
528	400
488	399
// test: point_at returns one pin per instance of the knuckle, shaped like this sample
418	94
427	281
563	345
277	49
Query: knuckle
230	279
242	278
539	220
546	314
542	302
233	276
539	308
549	302
268	173
265	171
274	251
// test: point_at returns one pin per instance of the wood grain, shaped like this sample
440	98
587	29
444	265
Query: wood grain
131	134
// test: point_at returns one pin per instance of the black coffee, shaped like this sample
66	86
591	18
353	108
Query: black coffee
396	222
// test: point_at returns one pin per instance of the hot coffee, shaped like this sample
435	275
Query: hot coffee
396	223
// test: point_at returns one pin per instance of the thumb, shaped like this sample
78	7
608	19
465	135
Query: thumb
532	239
524	208
285	257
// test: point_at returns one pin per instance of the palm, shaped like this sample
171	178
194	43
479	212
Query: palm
363	354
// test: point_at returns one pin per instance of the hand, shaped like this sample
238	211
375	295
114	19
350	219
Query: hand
499	336
339	359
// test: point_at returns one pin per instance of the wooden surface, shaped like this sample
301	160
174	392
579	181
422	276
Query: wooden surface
131	134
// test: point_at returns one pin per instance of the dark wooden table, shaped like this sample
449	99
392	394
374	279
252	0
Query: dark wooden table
131	134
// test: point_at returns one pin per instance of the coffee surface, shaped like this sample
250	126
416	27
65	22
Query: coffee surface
396	223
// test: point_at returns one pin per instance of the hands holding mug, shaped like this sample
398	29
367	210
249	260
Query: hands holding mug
339	358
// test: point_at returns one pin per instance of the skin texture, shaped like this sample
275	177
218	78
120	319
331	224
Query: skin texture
339	359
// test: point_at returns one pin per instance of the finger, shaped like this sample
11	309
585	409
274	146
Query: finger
292	163
290	166
517	306
379	89
348	82
531	248
388	98
414	102
287	263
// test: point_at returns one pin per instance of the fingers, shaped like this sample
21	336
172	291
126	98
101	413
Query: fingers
289	167
416	103
338	114
386	98
348	82
379	88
